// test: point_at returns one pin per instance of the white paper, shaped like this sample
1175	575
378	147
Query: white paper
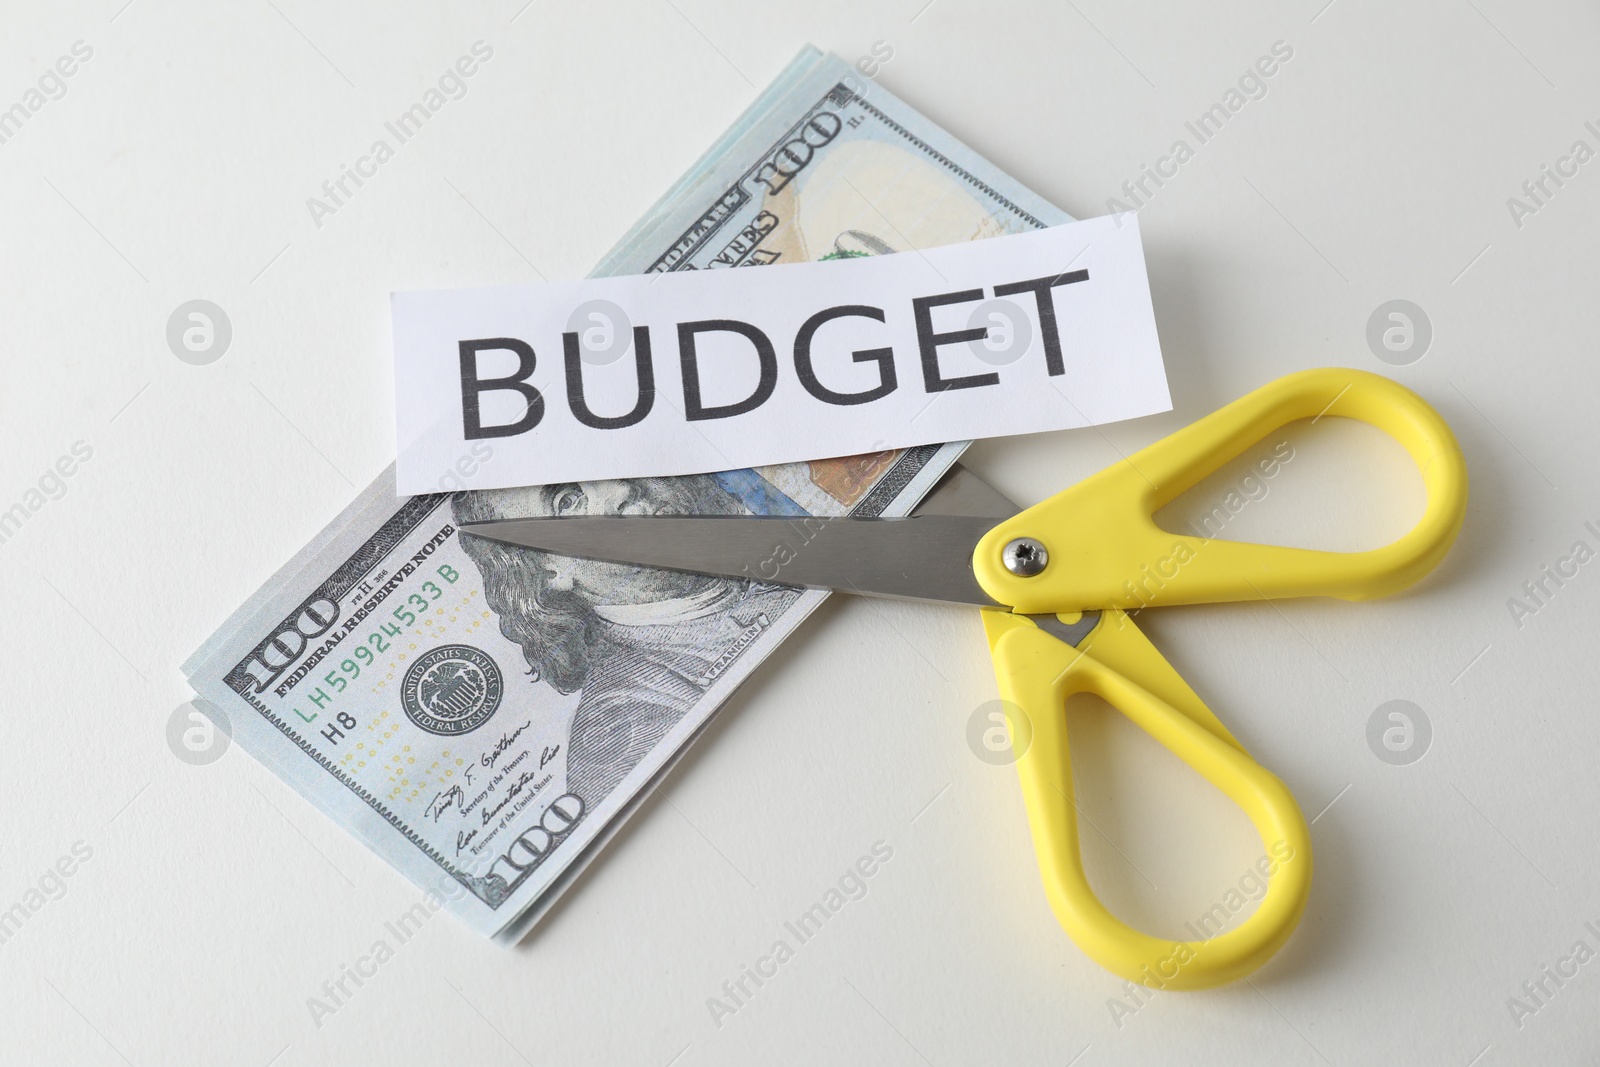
706	411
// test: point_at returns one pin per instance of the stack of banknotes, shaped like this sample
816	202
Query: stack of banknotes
485	718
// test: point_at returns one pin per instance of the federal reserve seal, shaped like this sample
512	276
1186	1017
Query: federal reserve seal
451	690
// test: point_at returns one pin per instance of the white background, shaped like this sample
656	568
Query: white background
1377	167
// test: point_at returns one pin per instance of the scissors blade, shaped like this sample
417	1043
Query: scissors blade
919	557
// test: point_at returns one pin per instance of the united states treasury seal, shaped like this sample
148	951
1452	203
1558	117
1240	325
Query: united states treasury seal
451	690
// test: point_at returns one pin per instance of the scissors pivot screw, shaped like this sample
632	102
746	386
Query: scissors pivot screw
1024	557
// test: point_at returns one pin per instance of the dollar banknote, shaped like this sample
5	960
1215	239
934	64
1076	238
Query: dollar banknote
486	717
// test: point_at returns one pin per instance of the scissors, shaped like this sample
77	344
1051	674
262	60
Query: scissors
1056	583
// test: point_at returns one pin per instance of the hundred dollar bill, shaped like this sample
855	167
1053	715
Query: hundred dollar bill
486	717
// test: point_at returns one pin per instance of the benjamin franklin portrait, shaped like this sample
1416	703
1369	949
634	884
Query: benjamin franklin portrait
639	646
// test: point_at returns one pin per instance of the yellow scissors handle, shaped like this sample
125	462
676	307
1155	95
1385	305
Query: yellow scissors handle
1037	673
1105	550
1096	546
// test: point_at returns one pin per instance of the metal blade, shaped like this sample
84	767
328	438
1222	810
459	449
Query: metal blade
920	557
960	492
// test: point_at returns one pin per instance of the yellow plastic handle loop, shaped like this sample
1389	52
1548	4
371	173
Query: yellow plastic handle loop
1105	550
1037	673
